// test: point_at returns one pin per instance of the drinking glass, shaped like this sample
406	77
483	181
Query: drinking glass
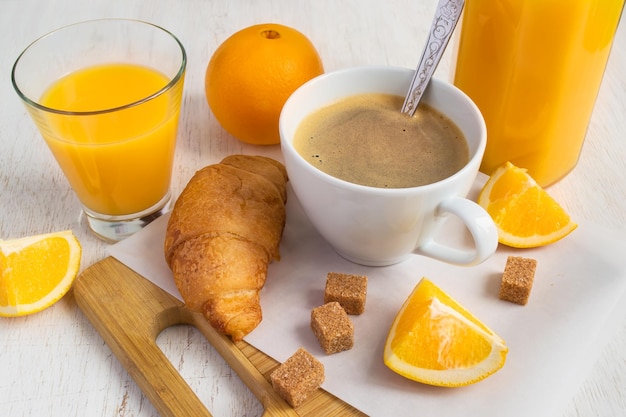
106	95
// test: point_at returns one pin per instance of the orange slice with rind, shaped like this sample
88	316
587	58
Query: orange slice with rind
525	215
37	271
436	341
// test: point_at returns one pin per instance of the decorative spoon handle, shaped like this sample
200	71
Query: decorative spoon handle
444	22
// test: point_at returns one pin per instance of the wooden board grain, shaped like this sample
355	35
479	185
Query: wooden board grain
130	312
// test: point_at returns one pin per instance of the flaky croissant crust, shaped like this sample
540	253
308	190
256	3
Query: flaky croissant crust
224	230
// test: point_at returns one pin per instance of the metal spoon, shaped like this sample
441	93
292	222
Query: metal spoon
444	22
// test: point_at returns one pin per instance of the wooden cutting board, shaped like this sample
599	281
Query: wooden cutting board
130	312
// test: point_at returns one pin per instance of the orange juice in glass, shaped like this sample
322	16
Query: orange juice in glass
108	106
534	68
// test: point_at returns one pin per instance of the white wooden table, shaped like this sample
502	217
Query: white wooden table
55	364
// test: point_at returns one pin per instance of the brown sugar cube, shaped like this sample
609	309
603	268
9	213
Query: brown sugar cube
332	327
298	377
348	290
517	280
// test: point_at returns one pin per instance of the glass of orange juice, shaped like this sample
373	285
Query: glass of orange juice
106	96
534	68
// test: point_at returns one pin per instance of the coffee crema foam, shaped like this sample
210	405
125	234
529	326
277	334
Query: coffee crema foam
365	139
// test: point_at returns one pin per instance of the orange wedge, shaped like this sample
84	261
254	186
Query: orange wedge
524	213
36	271
434	340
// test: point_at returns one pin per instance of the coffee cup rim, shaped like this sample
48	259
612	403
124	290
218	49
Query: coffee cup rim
287	144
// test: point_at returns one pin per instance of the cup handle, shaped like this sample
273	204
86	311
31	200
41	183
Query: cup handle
480	226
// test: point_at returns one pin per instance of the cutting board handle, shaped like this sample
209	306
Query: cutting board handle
130	312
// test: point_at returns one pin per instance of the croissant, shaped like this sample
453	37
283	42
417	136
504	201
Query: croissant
224	230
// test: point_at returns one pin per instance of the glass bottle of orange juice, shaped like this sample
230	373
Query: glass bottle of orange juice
534	68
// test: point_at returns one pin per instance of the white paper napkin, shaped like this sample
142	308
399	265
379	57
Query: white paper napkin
577	302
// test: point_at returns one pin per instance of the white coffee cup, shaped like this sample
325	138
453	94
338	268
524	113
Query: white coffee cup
382	226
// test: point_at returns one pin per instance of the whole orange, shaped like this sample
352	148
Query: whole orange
253	73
